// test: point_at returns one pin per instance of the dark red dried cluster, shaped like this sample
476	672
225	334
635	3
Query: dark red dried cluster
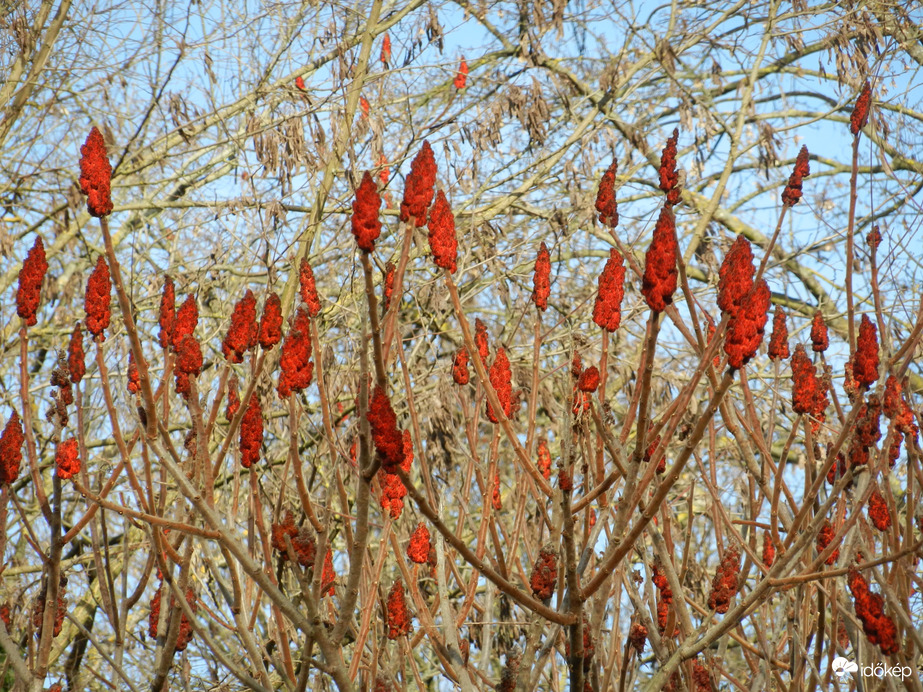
508	675
460	374
461	77
820	340
541	278
566	480
544	574
31	277
873	238
607	310
167	316
442	240
669	177
134	377
544	459
67	459
233	398
878	511
769	550
637	637
589	647
392	488
898	410
303	543
295	364
185	628
76	360
666	597
418	188
243	331
11	449
870	609
398	615
808	396
495	499
605	198
660	272
418	548
867	432
589	380
38	613
189	363
860	112
271	322
386	434
251	433
865	360
745	330
388	291
735	277
724	585
824	537
701	680
481	339
184	322
308	288
501	380
96	174
97	299
366	225
792	192
328	576
778	342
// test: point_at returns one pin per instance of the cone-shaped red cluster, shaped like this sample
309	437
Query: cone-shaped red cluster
724	585
328	576
389	285
185	628
460	373
386	435
251	433
30	282
271	322
873	237
418	188
481	339
805	386
366	225
607	311
67	459
865	360
589	380
496	501
386	50
735	277
544	459
134	377
76	360
297	370
867	431
778	343
501	380
303	544
242	333
442	240
97	299
188	364
544	574
860	113
824	537
11	449
418	548
541	278
96	174
792	192
392	488
605	198
398	615
745	331
461	77
637	636
878	511
769	550
185	321
666	596
820	339
660	272
870	609
308	288
669	177
233	399
167	315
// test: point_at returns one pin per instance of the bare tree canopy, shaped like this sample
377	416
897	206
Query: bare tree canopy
511	345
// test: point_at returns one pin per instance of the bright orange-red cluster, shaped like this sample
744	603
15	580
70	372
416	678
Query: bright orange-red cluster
605	198
745	329
96	174
666	597
270	332
544	574
389	284
735	277
185	321
398	615
386	50
660	272
366	225
807	394
189	363
724	585
820	339
11	449
76	360
865	360
185	627
860	113
544	459
167	315
669	177
607	310
870	609
460	373
501	380
778	342
541	278
251	433
878	511
30	283
418	548
495	499
769	550
308	288
297	370
242	333
303	544
233	398
589	380
386	435
418	188
461	77
481	339
792	192
442	240
824	537
134	377
97	299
